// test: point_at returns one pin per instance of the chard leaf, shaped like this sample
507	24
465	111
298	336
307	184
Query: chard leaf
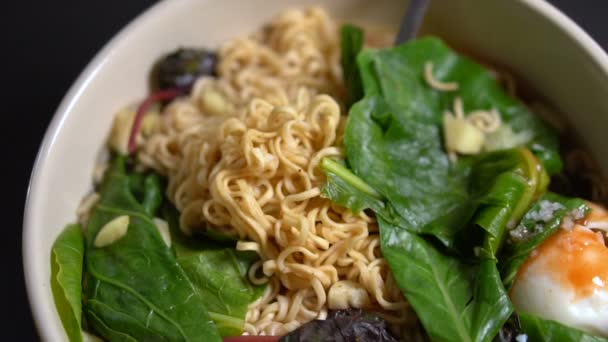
66	279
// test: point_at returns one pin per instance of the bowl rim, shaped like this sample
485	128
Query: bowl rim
34	292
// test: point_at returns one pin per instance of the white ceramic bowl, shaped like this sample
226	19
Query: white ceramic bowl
529	36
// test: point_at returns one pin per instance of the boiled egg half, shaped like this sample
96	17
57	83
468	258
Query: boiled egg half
566	278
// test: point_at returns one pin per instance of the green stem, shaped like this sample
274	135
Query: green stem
226	321
348	176
532	173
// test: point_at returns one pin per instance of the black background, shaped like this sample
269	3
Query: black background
44	46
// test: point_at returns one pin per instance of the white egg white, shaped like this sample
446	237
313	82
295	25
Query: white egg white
565	280
539	293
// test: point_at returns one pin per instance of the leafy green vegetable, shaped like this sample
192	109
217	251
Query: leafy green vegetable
396	75
454	301
345	188
540	330
393	136
66	279
504	184
153	196
135	288
147	189
499	187
220	276
535	227
351	40
400	169
406	164
219	272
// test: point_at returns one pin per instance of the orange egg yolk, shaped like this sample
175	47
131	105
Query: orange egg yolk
576	258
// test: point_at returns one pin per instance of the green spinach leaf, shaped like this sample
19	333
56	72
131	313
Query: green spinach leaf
219	272
351	40
66	279
396	74
345	188
455	301
542	220
393	136
540	330
147	188
504	184
393	141
221	277
407	165
135	288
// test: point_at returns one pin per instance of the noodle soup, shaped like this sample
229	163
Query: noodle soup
310	181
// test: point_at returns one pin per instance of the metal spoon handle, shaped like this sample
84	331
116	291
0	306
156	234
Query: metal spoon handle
411	20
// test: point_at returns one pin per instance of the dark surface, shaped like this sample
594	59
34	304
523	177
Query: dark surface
45	45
